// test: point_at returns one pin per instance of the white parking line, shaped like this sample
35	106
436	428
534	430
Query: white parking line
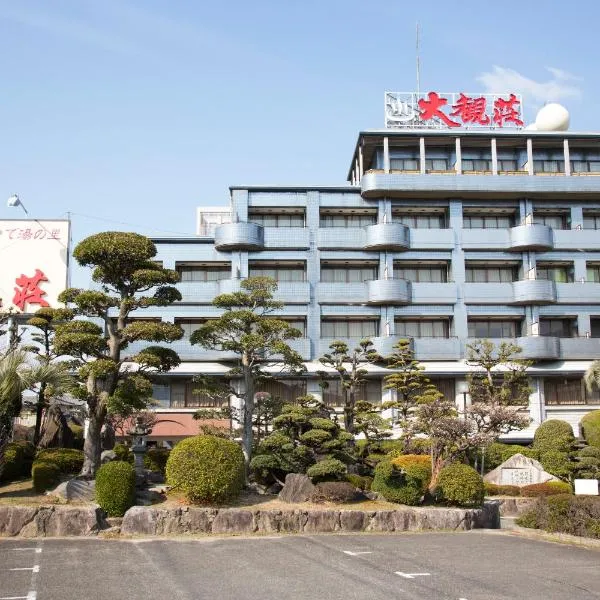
30	596
37	550
350	553
412	575
34	569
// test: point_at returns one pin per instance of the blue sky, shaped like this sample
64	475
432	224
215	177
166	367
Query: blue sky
137	111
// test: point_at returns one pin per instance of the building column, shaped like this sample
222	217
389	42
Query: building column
529	156
579	269
567	157
494	157
584	325
536	401
314	389
313	270
386	154
361	166
458	163
422	155
576	217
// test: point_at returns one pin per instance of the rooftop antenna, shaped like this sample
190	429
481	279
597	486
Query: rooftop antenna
418	60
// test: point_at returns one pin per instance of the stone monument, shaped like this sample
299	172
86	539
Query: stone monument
139	434
519	470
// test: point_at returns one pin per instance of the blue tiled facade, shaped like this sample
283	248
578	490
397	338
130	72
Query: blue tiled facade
512	253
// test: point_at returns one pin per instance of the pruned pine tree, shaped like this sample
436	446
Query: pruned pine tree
111	379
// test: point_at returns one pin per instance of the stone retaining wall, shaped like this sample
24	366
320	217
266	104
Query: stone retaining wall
514	506
61	521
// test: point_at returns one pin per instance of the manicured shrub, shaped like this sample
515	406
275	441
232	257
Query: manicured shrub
588	463
403	479
362	482
68	460
492	489
45	475
330	469
123	453
557	463
336	491
590	428
575	515
589	452
550	488
553	435
115	487
496	453
18	457
206	468
156	459
460	485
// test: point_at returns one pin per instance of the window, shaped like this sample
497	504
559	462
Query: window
437	273
335	393
563	328
189	326
404	164
492	328
479	164
423	328
592	273
553	220
505	165
347	220
296	322
183	396
346	328
548	166
569	390
333	273
416	220
591	221
288	390
207	272
585	166
436	164
278	271
500	274
447	387
277	220
595	328
480	221
554	272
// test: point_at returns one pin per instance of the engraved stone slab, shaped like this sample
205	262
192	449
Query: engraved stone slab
519	470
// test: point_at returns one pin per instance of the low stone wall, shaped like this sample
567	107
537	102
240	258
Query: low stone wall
156	521
50	521
64	521
514	506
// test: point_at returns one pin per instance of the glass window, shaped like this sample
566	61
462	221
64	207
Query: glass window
279	272
184	395
348	220
555	221
297	323
564	328
288	390
507	165
436	164
479	164
569	390
420	220
421	273
593	273
548	166
558	273
595	328
487	222
404	164
492	328
277	220
423	328
346	328
591	221
335	393
203	273
478	274
585	166
189	326
349	274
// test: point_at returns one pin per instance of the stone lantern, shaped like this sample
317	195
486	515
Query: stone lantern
139	433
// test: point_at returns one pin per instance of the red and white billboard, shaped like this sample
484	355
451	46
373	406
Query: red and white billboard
33	263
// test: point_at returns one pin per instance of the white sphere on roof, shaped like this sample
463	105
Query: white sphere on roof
552	117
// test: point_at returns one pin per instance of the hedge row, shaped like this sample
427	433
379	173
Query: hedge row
548	488
18	457
51	464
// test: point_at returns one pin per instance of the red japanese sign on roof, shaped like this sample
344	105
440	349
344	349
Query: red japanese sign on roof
433	110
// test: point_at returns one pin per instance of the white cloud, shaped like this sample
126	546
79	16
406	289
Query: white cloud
562	85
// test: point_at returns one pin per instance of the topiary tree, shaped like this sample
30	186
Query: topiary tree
305	439
460	485
130	281
588	463
590	428
347	367
207	469
248	329
115	487
555	443
403	479
412	388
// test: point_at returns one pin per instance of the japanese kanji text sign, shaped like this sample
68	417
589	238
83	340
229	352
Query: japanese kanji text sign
33	263
434	110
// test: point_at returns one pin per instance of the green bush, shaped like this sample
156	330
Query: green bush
68	460
590	428
123	453
496	453
18	457
156	459
553	435
549	488
330	469
115	487
336	491
588	463
403	479
460	485
589	452
45	475
206	468
501	490
575	515
362	482
557	463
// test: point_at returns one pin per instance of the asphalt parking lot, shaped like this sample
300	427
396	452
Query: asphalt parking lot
436	566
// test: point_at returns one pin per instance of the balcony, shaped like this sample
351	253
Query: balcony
431	239
538	347
534	291
388	291
186	351
488	293
580	348
433	293
383	345
341	238
239	236
287	237
485	239
342	293
587	292
290	292
198	292
437	348
301	346
531	237
576	239
387	236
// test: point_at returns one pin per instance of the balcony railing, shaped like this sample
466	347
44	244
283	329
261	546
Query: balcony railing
388	291
239	236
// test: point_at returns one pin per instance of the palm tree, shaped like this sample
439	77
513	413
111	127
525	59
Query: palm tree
18	374
592	376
